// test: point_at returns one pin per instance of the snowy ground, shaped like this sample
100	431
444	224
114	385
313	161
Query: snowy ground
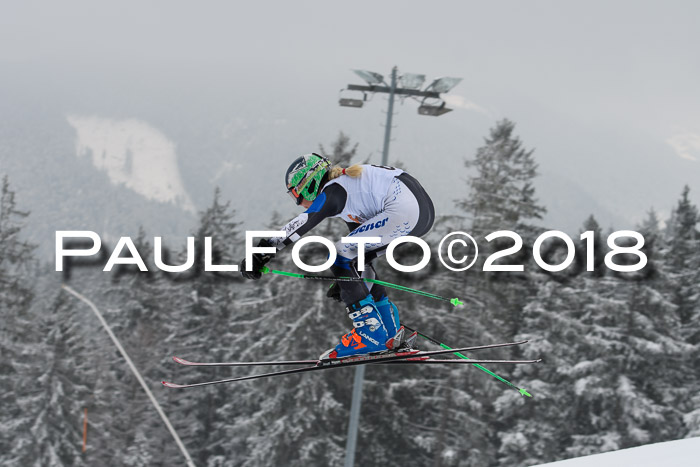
681	453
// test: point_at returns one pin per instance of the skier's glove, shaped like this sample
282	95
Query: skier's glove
259	260
334	292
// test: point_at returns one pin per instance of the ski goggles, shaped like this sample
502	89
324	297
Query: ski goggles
295	191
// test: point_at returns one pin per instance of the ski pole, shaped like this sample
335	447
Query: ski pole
453	301
436	342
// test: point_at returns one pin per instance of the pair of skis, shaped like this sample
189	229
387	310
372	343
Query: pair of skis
412	357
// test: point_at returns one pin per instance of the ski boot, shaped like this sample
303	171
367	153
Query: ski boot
368	336
398	340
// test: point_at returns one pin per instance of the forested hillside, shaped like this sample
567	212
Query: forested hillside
621	364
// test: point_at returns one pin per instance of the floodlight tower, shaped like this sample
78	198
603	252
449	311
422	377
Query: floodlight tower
405	85
431	104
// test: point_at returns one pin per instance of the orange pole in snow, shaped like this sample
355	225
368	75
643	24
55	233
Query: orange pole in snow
85	430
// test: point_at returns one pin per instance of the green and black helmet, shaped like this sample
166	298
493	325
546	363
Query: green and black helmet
304	177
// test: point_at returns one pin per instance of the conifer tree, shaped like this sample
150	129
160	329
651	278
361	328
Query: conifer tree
137	306
502	194
297	420
682	261
342	152
15	253
609	343
500	179
17	332
55	388
205	311
502	197
681	268
650	226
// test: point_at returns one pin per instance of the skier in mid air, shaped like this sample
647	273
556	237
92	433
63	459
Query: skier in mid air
374	201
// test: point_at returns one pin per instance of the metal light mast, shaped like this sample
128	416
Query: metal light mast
431	105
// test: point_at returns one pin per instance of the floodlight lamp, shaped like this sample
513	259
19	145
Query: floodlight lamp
443	84
433	110
412	80
347	102
350	101
370	76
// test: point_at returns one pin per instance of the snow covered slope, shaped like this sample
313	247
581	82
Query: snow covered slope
134	154
680	453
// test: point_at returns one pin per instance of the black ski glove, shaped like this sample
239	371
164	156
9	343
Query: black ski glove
259	260
334	292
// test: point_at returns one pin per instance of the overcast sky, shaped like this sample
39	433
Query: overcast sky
596	83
